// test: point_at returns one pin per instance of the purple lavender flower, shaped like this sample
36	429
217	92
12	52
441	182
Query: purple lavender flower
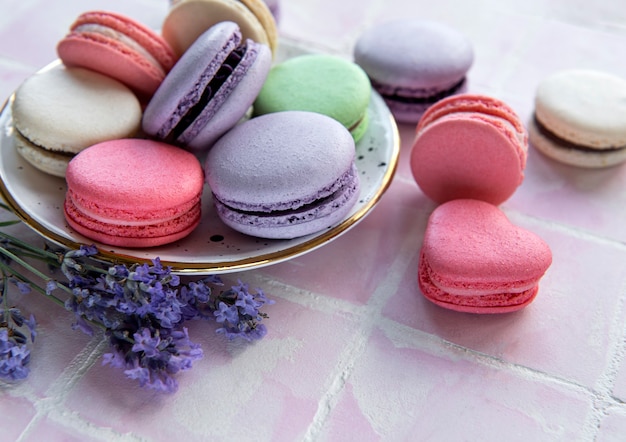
14	357
146	343
227	313
141	308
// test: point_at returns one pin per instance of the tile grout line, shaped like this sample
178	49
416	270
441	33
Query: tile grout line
438	344
569	230
59	390
435	345
371	314
606	383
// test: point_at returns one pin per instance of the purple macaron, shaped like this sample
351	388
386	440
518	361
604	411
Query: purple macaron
414	63
209	89
284	175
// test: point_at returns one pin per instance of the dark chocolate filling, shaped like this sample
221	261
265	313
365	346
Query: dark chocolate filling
54	151
211	88
402	98
565	144
301	209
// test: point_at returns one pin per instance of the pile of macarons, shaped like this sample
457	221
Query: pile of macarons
138	122
468	156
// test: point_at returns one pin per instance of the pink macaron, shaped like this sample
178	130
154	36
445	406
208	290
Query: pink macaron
473	259
209	89
284	175
133	193
119	47
469	146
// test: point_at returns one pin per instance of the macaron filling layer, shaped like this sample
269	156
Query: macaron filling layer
225	73
125	217
96	30
158	228
24	139
337	195
498	300
566	144
417	96
215	84
474	288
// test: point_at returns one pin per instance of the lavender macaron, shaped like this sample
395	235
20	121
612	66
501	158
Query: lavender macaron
208	90
414	63
284	175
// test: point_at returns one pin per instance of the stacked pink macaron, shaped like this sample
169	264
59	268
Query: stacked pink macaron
150	198
118	47
469	156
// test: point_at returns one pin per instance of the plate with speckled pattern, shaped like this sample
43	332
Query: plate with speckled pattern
212	248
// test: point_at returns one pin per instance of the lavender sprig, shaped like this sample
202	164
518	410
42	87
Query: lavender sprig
141	308
14	348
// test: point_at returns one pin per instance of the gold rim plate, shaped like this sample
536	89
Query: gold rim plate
212	248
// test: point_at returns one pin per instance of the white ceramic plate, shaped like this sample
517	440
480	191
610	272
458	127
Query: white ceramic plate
212	248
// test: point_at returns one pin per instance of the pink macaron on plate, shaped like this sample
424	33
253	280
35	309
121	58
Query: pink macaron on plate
211	248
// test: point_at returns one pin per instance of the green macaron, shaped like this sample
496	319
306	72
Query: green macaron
326	84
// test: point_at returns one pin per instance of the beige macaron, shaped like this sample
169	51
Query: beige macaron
60	111
580	118
188	19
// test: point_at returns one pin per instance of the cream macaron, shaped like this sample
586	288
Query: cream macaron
580	118
59	112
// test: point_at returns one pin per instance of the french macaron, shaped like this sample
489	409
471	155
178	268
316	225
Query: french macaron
469	146
284	175
60	111
120	47
323	83
188	19
580	118
414	63
474	260
209	90
134	193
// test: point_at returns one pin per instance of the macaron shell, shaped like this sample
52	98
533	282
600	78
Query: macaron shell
238	101
468	102
52	163
467	156
129	235
562	152
584	107
412	112
151	198
478	258
153	177
188	19
106	51
313	218
145	37
414	54
497	303
184	85
322	83
276	159
68	109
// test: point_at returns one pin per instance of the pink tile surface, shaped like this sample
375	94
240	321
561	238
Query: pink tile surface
354	351
426	394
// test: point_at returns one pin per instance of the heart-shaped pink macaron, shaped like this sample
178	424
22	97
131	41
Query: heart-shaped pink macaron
474	259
